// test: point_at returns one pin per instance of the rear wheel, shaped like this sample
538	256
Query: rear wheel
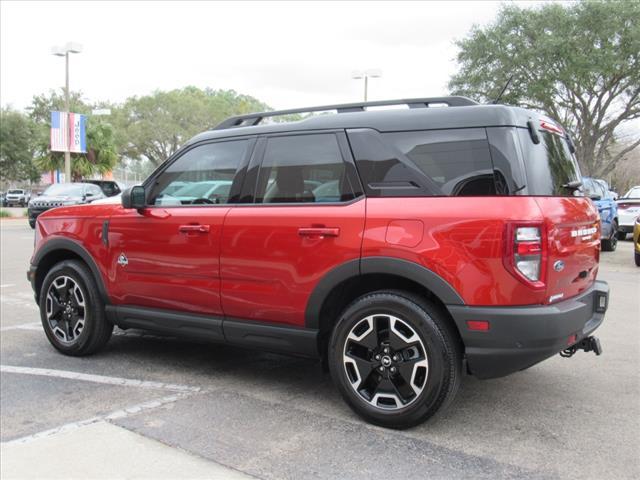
621	235
72	311
394	359
32	223
610	244
637	258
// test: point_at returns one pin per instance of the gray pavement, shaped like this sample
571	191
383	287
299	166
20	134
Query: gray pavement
214	408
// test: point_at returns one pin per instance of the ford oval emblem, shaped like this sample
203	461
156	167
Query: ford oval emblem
558	266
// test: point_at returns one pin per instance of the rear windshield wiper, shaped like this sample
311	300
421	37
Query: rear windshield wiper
574	185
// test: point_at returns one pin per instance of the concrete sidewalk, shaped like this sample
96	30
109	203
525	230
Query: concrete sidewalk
104	451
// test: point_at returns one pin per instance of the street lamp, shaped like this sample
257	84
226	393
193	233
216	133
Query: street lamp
64	51
367	74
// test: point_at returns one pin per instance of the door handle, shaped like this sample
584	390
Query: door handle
193	228
319	231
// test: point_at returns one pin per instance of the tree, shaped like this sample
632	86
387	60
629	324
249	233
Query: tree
154	126
17	147
578	63
102	153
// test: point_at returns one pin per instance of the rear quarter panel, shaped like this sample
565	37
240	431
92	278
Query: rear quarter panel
462	241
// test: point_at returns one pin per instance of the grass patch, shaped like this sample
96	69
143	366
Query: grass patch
4	214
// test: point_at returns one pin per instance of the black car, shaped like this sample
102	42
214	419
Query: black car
110	188
63	194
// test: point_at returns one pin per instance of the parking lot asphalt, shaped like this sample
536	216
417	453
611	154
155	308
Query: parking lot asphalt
271	416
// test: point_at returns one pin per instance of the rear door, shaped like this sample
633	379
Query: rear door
571	222
305	216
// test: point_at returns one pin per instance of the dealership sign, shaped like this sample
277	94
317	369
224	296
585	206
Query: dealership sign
68	132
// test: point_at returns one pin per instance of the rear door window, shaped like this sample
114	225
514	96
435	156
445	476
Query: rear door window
303	169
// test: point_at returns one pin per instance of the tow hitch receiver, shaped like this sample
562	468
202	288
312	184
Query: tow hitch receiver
588	344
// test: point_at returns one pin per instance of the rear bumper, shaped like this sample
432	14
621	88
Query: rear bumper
520	337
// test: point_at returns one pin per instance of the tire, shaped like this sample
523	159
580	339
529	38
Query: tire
71	283
424	352
610	244
621	235
32	223
636	256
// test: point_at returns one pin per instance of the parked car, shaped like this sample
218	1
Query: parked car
628	210
402	247
204	192
17	197
110	188
3	200
599	192
636	241
62	194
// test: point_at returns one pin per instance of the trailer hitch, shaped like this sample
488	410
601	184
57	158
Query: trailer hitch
588	344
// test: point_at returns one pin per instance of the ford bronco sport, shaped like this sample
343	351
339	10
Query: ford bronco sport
401	246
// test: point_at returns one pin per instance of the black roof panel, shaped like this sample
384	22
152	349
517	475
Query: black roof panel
431	118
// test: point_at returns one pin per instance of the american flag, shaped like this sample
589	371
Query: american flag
68	132
59	132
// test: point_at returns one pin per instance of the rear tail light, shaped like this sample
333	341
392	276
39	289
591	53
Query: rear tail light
623	206
525	253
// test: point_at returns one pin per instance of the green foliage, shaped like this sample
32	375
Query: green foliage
4	213
102	153
579	63
155	126
17	147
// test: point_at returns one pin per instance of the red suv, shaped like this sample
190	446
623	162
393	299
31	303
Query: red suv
400	246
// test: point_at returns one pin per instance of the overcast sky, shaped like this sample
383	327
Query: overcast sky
285	54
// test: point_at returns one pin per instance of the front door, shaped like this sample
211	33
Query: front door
306	218
168	254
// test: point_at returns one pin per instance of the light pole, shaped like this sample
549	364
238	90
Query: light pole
367	74
70	47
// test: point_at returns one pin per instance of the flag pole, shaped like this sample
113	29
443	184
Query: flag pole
67	153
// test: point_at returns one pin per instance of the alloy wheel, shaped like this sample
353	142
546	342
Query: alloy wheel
385	362
65	309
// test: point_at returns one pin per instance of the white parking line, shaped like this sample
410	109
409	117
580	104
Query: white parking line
7	285
125	412
23	326
86	377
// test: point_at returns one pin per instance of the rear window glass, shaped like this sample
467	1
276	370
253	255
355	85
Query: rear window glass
550	165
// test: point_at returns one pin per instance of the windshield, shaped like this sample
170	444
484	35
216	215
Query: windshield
550	165
64	190
15	192
633	193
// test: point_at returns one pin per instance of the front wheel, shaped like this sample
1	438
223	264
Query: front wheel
394	359
621	235
72	311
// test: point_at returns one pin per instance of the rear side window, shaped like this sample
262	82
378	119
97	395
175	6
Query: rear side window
458	162
551	167
303	169
455	162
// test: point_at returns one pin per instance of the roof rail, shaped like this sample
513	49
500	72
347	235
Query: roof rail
252	119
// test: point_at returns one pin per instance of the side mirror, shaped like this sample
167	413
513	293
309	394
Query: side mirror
595	197
134	197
